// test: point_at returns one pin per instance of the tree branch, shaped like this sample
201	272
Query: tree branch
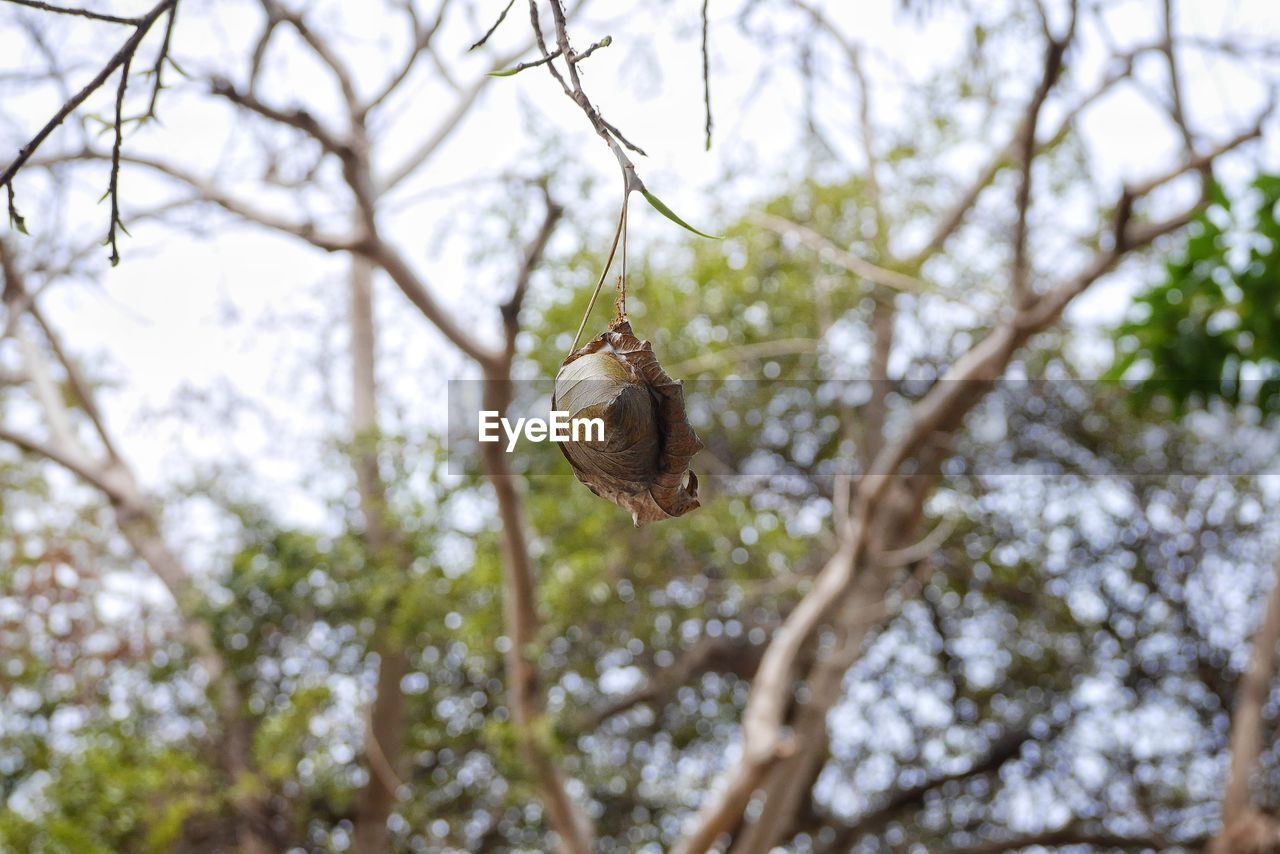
208	191
936	416
1246	721
532	260
828	251
119	61
520	615
1026	150
78	12
913	797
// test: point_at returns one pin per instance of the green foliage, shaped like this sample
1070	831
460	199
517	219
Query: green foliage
118	792
1002	637
1210	330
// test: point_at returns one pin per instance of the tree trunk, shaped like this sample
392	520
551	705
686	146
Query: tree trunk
521	618
384	725
1245	830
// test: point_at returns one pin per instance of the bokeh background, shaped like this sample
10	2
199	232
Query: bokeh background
246	604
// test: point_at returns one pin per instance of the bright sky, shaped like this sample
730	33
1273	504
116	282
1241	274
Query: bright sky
201	320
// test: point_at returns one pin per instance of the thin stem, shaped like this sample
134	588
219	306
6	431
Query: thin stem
706	70
604	274
622	282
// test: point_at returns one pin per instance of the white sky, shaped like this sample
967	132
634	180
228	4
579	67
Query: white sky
235	312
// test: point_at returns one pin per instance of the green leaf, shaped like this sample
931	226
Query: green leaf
506	72
661	207
16	221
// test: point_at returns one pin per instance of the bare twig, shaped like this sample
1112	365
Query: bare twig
502	17
321	48
913	797
161	58
1025	147
532	258
208	191
78	12
113	188
297	117
516	69
572	87
119	61
421	44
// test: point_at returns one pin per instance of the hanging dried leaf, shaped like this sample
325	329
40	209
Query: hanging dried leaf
641	462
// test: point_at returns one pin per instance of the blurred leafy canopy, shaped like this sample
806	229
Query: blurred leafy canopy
1210	330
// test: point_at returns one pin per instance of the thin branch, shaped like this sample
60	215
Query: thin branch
502	17
920	550
321	48
421	44
78	386
829	251
1025	147
81	13
745	353
120	59
412	286
914	797
532	260
209	191
429	146
296	118
516	69
259	56
853	53
161	58
423	152
57	416
1177	108
113	187
573	89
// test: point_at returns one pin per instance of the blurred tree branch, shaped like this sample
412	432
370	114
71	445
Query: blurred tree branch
139	522
1243	827
882	504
